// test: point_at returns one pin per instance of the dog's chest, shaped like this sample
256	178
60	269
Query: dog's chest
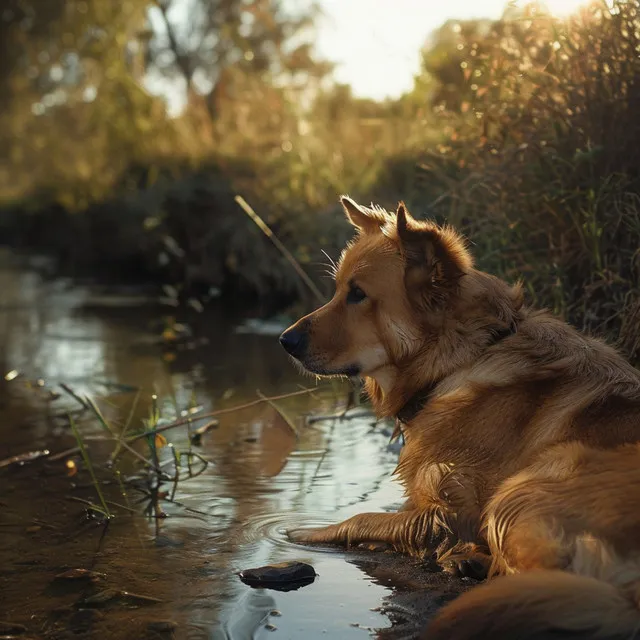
445	483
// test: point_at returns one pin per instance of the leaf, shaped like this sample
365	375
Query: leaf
169	334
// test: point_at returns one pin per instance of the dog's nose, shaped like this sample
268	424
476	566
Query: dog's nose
294	342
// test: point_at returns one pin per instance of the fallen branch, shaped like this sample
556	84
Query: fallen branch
280	412
340	416
219	412
262	225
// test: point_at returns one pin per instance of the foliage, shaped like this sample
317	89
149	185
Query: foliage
540	161
521	130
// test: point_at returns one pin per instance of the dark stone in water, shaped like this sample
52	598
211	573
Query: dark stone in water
284	576
80	574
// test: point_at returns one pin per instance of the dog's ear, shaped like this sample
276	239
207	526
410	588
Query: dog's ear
435	259
364	219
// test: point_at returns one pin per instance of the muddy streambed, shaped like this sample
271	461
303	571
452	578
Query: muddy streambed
166	565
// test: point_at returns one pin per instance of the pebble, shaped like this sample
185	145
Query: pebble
279	575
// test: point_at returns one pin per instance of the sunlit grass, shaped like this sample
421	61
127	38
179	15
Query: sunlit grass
564	8
103	508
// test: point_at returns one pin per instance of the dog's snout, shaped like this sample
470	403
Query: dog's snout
294	342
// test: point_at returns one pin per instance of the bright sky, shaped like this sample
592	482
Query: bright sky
377	43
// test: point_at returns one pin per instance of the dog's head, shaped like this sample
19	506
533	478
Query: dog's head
399	287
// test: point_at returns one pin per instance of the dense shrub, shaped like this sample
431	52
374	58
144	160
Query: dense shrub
541	165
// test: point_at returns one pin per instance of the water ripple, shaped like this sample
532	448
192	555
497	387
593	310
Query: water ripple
273	528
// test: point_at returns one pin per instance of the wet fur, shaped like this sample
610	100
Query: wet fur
525	458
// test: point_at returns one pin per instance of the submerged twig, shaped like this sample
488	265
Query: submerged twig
22	458
280	412
64	454
340	416
93	506
145	461
220	412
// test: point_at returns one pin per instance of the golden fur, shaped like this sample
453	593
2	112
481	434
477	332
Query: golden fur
524	458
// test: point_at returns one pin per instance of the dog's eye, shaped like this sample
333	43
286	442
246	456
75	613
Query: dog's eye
355	295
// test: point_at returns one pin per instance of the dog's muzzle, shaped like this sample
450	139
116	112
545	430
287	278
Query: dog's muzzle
295	342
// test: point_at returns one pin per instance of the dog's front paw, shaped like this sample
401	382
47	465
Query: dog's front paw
315	535
304	536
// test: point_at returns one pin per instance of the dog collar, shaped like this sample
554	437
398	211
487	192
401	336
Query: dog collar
419	400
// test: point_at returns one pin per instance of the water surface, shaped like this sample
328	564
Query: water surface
260	480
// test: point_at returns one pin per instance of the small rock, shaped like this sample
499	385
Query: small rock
275	613
270	627
80	574
284	576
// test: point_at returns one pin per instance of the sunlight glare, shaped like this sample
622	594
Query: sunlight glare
563	8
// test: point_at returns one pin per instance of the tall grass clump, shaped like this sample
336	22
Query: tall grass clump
539	160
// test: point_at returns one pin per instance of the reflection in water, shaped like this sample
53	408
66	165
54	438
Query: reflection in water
251	613
261	479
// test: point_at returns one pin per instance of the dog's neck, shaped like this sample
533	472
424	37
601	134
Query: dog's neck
402	393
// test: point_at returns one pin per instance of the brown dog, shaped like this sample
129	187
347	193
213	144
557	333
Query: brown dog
520	434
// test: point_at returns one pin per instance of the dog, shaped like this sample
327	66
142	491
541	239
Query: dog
521	455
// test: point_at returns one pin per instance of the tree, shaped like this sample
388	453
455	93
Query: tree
209	45
73	111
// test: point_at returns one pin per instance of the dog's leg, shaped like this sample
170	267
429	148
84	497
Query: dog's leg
416	532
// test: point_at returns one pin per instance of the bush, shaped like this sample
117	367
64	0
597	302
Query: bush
541	166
